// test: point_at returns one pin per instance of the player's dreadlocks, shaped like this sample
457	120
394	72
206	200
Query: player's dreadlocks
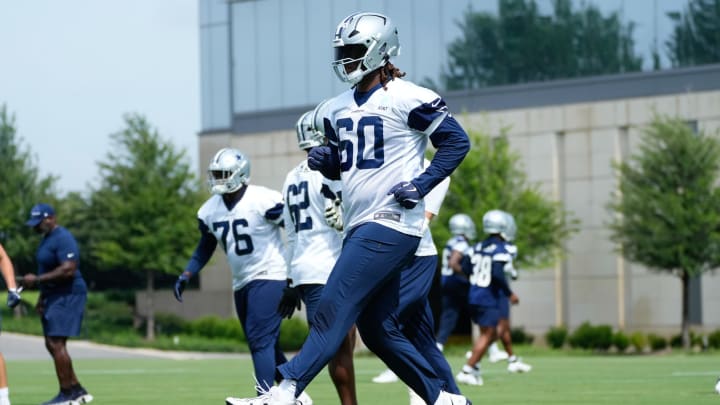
389	72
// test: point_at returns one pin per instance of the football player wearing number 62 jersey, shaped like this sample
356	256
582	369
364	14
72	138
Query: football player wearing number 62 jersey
377	133
245	219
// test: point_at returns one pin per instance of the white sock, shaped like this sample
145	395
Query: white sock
512	359
4	396
469	370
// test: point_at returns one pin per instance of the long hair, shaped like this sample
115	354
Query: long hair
389	72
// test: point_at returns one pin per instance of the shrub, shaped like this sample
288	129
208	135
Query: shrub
714	339
556	336
170	324
519	336
216	327
587	336
620	341
639	341
656	342
695	340
293	333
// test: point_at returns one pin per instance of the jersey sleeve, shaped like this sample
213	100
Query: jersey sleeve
272	206
67	248
426	110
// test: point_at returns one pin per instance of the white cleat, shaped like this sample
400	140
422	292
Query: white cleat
386	377
518	366
469	376
446	398
498	355
717	386
304	399
274	396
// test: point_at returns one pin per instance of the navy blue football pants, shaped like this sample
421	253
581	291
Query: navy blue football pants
363	288
416	318
256	306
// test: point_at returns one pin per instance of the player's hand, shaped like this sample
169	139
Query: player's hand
289	302
514	299
513	273
334	213
13	298
180	285
406	194
319	157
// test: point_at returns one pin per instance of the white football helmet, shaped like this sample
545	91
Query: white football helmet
462	224
308	136
510	230
494	221
366	39
228	170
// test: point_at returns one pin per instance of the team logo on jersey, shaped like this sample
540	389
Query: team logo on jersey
388	215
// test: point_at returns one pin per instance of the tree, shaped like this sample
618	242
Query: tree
144	209
696	36
22	187
521	45
667	209
490	177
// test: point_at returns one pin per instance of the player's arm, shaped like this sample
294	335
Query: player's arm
66	254
446	135
326	158
498	275
202	254
8	271
274	214
455	261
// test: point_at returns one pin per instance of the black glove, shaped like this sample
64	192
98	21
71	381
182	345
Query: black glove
289	302
406	194
13	298
180	285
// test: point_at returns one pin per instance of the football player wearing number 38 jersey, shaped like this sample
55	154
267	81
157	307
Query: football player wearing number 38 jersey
377	135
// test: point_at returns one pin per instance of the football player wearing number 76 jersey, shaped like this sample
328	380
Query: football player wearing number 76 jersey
245	220
377	133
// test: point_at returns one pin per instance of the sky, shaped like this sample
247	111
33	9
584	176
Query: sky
70	70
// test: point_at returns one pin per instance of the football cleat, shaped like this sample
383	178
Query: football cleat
446	398
415	399
386	377
517	366
717	386
304	399
61	399
495	354
273	396
469	375
81	396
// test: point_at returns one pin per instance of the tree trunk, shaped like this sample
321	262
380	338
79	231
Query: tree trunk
685	310
150	321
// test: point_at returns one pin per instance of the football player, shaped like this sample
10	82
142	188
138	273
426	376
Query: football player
313	223
245	219
454	282
486	268
377	135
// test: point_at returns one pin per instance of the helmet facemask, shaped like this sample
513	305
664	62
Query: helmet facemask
228	171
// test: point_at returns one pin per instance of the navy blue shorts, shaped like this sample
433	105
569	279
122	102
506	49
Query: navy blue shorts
485	316
504	306
63	314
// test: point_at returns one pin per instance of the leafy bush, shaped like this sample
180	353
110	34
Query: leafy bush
639	341
620	341
556	336
695	340
293	333
216	327
587	336
714	339
656	342
170	324
520	337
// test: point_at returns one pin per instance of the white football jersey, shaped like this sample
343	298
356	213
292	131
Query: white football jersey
379	150
458	243
313	246
253	243
433	201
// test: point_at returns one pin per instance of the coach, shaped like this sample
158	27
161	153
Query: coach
63	293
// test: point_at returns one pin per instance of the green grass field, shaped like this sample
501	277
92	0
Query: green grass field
555	379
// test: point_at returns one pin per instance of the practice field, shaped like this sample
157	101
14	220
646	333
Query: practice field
555	379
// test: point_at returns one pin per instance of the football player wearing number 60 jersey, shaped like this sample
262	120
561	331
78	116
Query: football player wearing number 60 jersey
245	220
377	132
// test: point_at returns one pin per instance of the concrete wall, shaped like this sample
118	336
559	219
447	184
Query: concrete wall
567	150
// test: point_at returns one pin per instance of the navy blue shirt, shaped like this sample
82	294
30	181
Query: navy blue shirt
55	248
488	282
